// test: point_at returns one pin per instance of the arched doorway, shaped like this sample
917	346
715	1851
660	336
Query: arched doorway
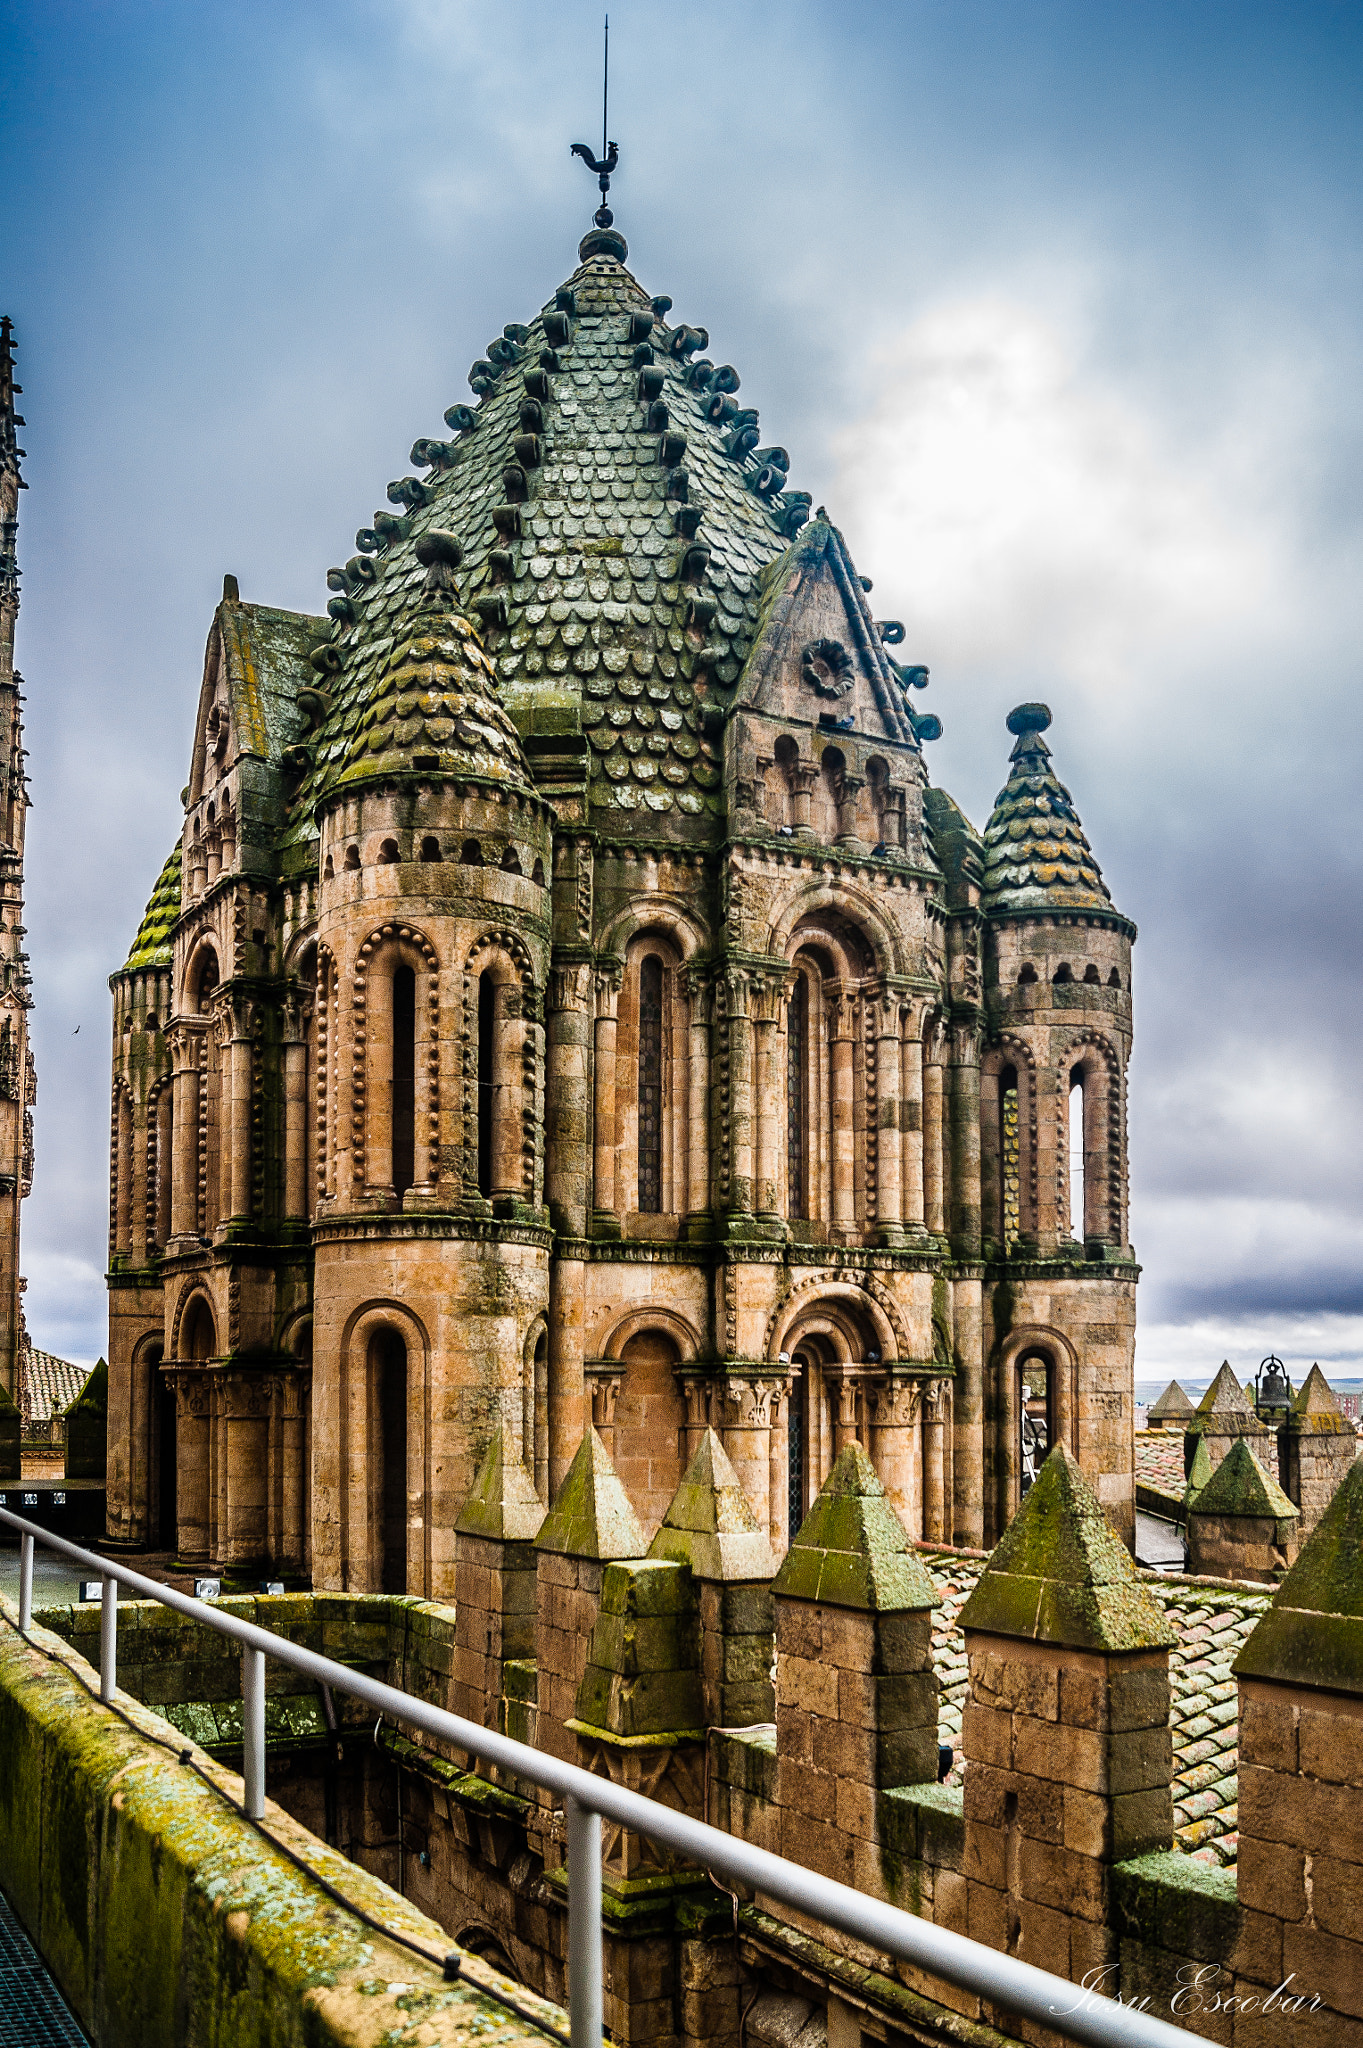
388	1367
649	1423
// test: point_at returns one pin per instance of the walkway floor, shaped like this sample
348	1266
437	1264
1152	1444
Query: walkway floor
33	2013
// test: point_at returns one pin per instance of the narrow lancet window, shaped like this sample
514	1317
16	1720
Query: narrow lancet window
404	1079
1076	1120
487	1024
797	1097
651	1086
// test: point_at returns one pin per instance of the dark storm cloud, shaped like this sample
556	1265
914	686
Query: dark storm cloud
1056	307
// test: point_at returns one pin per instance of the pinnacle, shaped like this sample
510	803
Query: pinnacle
590	1515
1313	1632
852	1550
710	1523
1036	855
1240	1486
502	1503
1060	1574
1225	1395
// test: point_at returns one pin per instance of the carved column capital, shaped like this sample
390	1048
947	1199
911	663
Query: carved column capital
897	1401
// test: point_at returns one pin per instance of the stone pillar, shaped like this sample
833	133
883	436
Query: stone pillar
567	1156
740	1119
239	1176
803	777
889	1066
897	1456
964	1208
494	1584
856	1693
845	1428
935	1397
605	1196
1316	1449
848	790
969	1478
746	1424
184	1186
603	1386
698	1092
244	1404
913	1207
778	1465
590	1521
934	1186
768	1105
293	1453
843	1142
1065	1731
296	1204
696	1394
713	1528
1299	1876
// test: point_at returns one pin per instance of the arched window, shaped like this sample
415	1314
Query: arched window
388	1366
487	1024
649	1425
404	1079
1010	1157
198	1336
1076	1155
650	1085
1036	1417
797	1099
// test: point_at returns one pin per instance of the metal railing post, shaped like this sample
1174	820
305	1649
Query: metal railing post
253	1732
584	1924
108	1638
25	1583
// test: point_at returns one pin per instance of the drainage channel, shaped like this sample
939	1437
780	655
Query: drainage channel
33	2013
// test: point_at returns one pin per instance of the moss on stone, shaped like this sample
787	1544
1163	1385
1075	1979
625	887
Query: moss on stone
710	1524
1240	1486
153	946
591	1516
87	1428
1313	1632
1061	1575
851	1549
502	1504
1225	1395
10	1426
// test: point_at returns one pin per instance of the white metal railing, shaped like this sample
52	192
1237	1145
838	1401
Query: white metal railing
1005	1981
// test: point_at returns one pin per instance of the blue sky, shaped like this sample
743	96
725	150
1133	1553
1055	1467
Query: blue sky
1055	306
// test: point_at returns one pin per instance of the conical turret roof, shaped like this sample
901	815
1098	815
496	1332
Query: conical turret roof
614	513
153	946
1036	857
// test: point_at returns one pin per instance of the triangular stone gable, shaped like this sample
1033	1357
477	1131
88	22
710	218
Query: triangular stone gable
816	649
1240	1486
590	1515
1313	1632
1225	1395
502	1504
852	1550
710	1523
1060	1574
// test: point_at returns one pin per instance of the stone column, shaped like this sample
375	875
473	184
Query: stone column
768	1103
897	1456
1065	1731
856	1693
605	1195
184	1183
568	1150
889	1063
845	1429
934	1190
296	1204
911	1123
843	1102
239	1176
243	1539
778	1465
696	1394
698	1104
746	1412
934	1472
165	1161
803	777
739	1030
848	790
293	1451
964	1213
970	1481
603	1383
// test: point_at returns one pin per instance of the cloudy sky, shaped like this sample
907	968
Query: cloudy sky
1056	306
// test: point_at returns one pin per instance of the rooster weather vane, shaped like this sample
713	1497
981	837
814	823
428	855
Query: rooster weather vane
601	166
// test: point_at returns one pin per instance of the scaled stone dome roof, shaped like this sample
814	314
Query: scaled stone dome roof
153	946
431	704
1036	857
614	516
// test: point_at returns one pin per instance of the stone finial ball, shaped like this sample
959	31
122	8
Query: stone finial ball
1029	718
439	546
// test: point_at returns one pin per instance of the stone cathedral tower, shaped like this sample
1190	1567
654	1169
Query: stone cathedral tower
17	1083
570	1002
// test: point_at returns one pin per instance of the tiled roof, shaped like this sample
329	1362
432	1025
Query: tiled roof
1036	857
1212	1623
1159	1461
51	1384
152	946
615	521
